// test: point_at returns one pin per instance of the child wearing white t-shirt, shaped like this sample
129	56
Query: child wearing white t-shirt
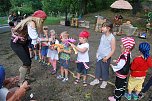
83	57
52	52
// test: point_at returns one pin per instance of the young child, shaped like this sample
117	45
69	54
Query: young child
83	57
139	68
105	51
52	52
64	57
44	45
32	49
122	68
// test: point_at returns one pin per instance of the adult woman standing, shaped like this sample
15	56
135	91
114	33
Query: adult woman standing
30	26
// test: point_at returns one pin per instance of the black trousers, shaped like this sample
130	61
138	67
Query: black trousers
147	86
22	51
120	86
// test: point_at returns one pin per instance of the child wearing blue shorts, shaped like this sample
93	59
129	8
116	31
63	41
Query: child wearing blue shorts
83	57
64	57
44	45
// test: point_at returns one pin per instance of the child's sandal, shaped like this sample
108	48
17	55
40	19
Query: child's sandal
76	81
84	83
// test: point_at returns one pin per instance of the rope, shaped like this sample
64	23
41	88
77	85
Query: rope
90	76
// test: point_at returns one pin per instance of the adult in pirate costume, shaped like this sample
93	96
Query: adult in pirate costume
30	26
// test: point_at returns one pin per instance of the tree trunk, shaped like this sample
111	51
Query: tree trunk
136	7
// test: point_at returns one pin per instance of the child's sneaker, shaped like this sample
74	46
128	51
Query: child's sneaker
60	77
40	60
65	79
128	96
43	63
135	96
103	85
84	83
140	96
111	98
94	82
53	72
48	64
36	57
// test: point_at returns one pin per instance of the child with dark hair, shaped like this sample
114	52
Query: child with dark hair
105	51
139	68
122	68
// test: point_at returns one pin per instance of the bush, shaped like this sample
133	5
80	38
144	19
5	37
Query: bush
23	10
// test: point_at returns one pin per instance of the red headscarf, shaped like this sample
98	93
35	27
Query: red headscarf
84	34
128	42
40	14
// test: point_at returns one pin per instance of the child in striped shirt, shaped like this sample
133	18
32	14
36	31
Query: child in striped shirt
122	68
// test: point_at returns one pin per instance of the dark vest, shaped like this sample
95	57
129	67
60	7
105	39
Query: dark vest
126	68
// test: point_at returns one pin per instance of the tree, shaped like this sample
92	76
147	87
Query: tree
136	4
4	7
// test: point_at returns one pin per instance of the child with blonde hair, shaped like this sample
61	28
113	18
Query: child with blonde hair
83	57
122	68
139	68
64	57
52	52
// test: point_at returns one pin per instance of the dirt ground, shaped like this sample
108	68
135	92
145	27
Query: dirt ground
48	88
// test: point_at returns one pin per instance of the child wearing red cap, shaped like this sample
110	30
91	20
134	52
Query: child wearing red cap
83	57
105	51
122	68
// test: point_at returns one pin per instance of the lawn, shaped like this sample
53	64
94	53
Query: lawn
3	20
52	20
49	20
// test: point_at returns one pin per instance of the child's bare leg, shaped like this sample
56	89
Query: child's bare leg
62	71
129	91
54	64
137	92
84	80
51	61
40	56
66	73
84	77
30	51
78	75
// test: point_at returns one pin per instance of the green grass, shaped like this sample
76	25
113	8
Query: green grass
52	20
49	20
3	20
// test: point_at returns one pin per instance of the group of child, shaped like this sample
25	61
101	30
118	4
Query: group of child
53	49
